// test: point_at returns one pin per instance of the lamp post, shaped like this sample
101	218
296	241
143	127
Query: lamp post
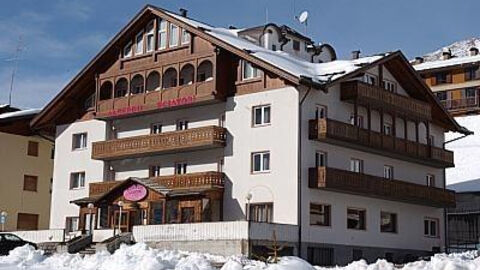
3	219
120	205
90	208
247	212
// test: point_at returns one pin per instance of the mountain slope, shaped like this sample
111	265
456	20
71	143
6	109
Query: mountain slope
458	49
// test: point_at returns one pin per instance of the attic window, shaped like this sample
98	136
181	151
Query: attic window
173	35
127	51
162	34
139	43
185	37
150	37
249	71
296	45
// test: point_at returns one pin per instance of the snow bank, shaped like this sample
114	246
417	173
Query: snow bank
140	257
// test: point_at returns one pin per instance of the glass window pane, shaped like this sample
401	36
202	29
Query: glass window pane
266	115
173	35
256	162
266	162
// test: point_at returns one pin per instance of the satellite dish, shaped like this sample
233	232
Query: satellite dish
303	17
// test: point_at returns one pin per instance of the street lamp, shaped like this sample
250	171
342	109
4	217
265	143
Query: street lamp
120	205
247	212
3	219
90	208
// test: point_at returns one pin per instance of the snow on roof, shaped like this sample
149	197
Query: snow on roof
19	113
467	186
319	72
449	62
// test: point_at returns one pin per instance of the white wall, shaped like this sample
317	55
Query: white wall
68	161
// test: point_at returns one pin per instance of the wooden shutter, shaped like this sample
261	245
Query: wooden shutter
32	149
30	182
27	222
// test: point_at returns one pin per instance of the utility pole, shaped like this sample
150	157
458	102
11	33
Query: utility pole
15	66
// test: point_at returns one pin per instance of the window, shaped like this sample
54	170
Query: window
431	140
356	219
162	34
387	129
261	162
173	35
388	172
127	50
320	112
443	78
77	180
154	171
89	102
139	43
441	95
320	214
390	86
430	180
27	222
180	168
320	159
320	256
371	79
182	124
470	93
249	72
150	37
471	73
71	224
32	149
220	165
79	141
261	115
185	37
430	227
356	165
296	45
52	153
388	222
30	182
359	122
156	128
261	212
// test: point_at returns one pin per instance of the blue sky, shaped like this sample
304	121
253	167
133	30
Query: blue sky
61	36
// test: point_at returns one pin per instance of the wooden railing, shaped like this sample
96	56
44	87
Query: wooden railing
461	103
189	180
185	140
324	129
379	187
377	97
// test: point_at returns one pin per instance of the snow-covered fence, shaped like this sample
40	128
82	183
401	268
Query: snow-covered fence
228	230
101	235
43	236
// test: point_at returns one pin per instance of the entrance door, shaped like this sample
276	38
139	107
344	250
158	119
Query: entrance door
133	219
187	215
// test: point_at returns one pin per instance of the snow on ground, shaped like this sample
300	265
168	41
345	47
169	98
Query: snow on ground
140	257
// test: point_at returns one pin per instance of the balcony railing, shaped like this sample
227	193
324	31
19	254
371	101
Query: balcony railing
377	97
363	139
461	103
379	187
168	142
177	181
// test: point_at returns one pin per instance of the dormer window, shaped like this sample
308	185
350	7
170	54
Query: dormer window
162	34
127	51
249	71
185	37
173	35
150	37
390	86
139	43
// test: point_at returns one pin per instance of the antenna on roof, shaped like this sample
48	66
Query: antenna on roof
15	59
303	19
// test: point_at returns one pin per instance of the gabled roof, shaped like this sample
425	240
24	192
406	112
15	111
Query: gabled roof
289	68
448	63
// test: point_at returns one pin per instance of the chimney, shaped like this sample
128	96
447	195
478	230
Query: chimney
418	60
183	12
446	54
232	27
473	51
355	54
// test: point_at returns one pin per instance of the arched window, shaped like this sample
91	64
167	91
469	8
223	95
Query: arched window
106	90
137	84
205	71
153	81
121	88
169	78
186	75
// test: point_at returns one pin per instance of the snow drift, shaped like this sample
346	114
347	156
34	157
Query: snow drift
140	257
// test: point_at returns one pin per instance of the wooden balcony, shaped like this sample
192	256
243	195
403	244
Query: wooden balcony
345	134
163	143
178	181
378	98
379	187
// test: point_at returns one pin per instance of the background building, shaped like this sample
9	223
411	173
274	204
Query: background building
26	169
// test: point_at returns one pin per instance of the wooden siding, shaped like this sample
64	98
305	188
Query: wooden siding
335	131
379	187
167	142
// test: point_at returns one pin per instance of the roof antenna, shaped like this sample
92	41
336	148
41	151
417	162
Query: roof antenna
15	59
303	19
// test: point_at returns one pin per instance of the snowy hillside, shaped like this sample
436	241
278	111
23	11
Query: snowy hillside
140	257
458	49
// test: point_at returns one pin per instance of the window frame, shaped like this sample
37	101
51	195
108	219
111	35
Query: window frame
33	148
150	33
69	223
83	143
324	206
71	187
393	85
395	221
262	165
129	53
364	216
429	234
154	171
318	111
171	34
156	126
184	33
32	178
162	32
319	153
391	173
430	180
183	168
269	212
256	73
141	41
262	115
181	124
368	77
360	167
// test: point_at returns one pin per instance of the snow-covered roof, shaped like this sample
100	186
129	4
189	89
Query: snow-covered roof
467	186
448	62
19	113
319	72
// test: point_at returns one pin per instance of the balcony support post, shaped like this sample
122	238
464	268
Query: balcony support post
369	123
380	75
382	129
394	129
429	141
417	137
405	131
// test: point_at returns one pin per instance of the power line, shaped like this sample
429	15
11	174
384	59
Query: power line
15	59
